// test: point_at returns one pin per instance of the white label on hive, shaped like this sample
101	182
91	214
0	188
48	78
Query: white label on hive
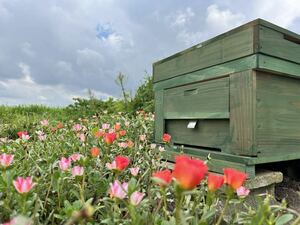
192	124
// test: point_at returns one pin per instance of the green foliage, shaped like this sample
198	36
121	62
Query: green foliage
19	118
144	97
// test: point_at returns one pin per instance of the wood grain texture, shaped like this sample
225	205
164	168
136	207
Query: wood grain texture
159	123
229	47
278	66
242	113
278	114
210	73
278	44
199	100
210	133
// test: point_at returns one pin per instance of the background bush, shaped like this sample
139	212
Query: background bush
18	118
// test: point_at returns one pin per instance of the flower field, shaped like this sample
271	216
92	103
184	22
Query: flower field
106	170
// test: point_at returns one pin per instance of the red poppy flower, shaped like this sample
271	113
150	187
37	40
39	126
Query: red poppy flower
95	152
166	138
110	138
121	162
189	172
234	178
214	182
163	178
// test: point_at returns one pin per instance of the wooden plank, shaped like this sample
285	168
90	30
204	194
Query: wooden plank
159	124
216	165
218	71
278	66
278	110
236	45
197	115
198	99
204	153
211	133
278	44
242	113
277	28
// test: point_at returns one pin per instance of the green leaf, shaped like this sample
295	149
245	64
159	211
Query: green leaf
284	219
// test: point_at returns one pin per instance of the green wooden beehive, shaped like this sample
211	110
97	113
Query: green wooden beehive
235	97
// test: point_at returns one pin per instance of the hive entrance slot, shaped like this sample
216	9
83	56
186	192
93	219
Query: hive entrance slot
198	147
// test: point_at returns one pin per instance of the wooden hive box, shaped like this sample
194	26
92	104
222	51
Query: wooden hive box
235	97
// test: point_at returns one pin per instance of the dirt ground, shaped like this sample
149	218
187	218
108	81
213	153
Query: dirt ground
289	189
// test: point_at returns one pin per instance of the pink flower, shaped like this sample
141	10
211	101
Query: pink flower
111	166
23	135
23	185
77	127
136	197
134	171
64	163
242	191
122	144
42	137
105	126
126	123
6	159
81	137
161	149
44	122
75	157
153	146
142	137
118	190
77	171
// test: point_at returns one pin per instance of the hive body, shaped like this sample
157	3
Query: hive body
235	97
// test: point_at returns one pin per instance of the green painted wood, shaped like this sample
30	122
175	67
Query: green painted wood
242	113
159	123
218	71
204	153
230	47
281	45
279	66
258	36
278	114
198	99
215	165
277	28
211	133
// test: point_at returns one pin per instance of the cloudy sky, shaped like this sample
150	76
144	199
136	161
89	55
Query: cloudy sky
54	50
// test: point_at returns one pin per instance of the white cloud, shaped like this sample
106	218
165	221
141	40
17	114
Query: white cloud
27	49
181	18
283	13
89	59
25	72
219	20
189	38
20	91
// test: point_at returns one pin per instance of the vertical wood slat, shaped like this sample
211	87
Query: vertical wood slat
242	112
159	124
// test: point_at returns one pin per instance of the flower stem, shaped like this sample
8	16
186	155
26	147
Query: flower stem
223	212
179	198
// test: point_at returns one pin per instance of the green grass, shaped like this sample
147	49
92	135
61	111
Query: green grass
18	118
